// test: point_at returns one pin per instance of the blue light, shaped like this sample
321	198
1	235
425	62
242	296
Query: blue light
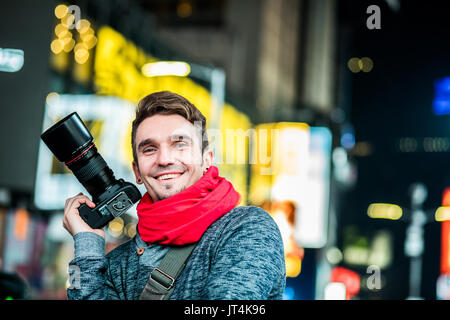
11	60
441	103
348	140
442	85
441	107
289	293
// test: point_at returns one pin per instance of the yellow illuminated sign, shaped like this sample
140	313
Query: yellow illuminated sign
117	71
279	157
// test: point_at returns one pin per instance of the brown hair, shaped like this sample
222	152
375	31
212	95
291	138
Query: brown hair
167	103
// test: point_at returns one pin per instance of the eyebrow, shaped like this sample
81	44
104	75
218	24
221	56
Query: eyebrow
175	137
145	143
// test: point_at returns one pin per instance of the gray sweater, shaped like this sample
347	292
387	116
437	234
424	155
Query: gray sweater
240	256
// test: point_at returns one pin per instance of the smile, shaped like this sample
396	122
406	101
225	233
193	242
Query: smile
168	176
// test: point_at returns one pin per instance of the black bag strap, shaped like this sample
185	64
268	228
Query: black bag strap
159	285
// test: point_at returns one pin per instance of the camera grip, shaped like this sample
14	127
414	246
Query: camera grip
92	217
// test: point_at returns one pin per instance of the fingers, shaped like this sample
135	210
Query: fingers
72	221
75	202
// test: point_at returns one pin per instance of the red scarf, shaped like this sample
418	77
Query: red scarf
184	217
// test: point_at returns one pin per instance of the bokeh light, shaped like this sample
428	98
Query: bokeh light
61	11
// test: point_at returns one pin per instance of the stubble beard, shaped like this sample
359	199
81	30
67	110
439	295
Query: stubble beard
170	192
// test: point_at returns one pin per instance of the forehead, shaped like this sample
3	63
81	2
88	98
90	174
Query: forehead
163	127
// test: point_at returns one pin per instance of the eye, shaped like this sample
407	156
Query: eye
181	144
149	150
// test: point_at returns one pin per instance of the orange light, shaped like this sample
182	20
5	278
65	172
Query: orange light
445	237
446	197
184	9
22	219
293	266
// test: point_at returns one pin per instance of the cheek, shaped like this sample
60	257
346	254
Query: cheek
190	158
145	166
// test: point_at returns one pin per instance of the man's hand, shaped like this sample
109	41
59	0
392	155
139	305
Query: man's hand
72	221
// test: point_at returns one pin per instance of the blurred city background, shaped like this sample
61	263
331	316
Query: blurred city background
353	95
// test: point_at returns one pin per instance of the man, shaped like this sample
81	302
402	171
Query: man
239	250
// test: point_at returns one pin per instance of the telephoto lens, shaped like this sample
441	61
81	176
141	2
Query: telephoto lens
71	143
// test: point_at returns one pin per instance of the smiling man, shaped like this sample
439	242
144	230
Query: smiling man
168	158
238	251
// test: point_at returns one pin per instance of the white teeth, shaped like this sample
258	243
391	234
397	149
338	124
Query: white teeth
168	176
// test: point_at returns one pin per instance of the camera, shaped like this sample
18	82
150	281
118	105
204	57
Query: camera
71	143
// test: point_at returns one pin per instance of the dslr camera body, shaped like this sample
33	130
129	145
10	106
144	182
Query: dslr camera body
71	143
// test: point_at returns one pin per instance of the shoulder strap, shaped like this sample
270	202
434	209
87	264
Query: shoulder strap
159	285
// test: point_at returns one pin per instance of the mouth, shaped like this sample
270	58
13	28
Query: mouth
168	176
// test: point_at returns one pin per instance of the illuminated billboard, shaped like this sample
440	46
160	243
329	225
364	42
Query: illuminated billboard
291	169
312	227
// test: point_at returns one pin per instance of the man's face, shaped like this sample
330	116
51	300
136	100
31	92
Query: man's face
169	156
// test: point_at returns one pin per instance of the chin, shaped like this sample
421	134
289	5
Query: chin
164	194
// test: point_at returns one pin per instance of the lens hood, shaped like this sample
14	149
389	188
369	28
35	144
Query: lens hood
71	142
67	138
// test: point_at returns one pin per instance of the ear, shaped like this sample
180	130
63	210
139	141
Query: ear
207	159
137	173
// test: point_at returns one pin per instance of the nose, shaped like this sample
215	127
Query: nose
165	156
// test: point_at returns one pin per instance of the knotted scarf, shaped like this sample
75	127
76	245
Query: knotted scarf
185	216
